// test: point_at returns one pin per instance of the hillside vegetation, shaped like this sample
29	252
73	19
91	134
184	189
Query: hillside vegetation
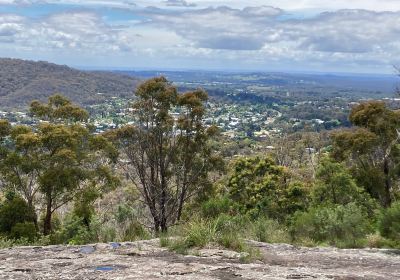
165	175
22	81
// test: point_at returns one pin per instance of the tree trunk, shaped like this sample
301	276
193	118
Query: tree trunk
156	225
35	222
34	218
163	218
163	225
387	200
181	202
47	220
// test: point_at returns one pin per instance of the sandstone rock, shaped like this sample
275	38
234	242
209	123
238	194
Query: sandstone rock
147	260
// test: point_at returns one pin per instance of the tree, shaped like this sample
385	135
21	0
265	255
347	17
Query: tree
21	166
372	147
334	185
5	129
58	159
166	154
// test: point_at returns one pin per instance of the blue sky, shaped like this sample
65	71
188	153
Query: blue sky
360	36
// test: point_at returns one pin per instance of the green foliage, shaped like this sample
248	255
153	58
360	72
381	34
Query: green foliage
372	146
260	187
127	224
389	222
24	230
335	185
340	225
225	231
59	159
15	211
271	231
5	128
75	232
214	207
378	241
6	243
135	231
168	157
58	108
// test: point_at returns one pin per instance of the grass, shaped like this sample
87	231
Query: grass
223	231
269	231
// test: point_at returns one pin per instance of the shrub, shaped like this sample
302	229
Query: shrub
377	241
214	207
135	231
14	211
74	232
340	225
24	230
389	222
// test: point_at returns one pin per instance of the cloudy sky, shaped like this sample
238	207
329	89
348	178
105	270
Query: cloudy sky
285	35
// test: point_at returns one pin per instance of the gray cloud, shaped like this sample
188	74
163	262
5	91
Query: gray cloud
347	31
252	28
221	27
10	26
179	3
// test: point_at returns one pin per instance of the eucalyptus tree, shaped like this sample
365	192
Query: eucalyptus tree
5	129
166	154
58	159
372	148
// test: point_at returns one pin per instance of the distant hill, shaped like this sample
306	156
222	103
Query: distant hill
22	81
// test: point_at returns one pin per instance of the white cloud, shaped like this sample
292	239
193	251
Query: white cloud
207	34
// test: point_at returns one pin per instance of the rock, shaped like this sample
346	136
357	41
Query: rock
87	249
115	245
147	260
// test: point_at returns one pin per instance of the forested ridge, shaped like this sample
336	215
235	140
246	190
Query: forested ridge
21	81
167	175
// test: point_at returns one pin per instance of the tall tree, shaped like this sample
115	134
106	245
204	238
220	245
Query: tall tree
166	154
5	129
372	148
58	159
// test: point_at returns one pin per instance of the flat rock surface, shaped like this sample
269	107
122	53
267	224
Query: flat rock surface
146	260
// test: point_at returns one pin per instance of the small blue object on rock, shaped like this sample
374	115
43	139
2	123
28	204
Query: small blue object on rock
104	268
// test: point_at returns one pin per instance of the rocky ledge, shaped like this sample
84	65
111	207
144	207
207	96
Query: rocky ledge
147	260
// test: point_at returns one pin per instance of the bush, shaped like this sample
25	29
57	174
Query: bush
24	230
214	207
135	231
377	241
339	225
14	211
389	222
74	232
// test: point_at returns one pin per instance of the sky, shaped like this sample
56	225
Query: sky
360	36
